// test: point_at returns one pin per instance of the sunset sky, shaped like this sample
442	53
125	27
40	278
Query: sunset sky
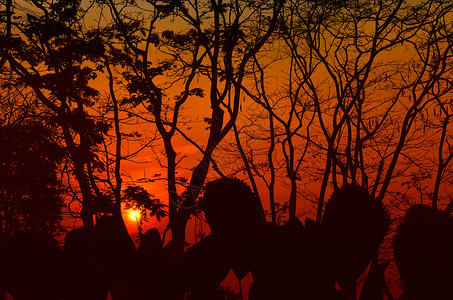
297	99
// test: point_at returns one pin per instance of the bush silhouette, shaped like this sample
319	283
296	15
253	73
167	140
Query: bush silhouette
231	208
236	217
204	266
31	267
84	277
99	259
355	224
374	284
290	263
423	249
150	277
294	261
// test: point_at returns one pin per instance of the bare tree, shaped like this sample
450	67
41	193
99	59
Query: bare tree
214	47
363	124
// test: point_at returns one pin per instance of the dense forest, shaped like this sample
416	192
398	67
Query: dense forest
311	140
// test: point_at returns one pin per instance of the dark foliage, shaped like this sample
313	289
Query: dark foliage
151	276
137	197
290	263
204	266
114	247
355	224
30	193
231	208
31	267
235	216
423	253
84	277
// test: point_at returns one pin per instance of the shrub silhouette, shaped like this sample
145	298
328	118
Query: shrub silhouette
423	249
114	246
277	268
99	258
31	267
295	261
236	217
204	266
375	284
290	263
355	224
84	277
231	208
116	252
150	277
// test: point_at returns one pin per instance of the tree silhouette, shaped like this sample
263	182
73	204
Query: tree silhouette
30	191
349	97
47	53
216	51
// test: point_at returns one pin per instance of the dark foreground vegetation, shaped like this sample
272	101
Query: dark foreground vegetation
101	100
292	261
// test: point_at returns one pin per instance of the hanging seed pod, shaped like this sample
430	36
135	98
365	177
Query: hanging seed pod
355	224
423	249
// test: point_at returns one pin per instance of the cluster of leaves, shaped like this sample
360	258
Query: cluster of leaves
30	192
136	197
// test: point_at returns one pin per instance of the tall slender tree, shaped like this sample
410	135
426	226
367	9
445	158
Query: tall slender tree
214	48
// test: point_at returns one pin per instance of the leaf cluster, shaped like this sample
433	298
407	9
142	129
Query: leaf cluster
137	197
30	192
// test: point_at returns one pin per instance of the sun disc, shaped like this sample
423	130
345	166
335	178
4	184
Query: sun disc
134	214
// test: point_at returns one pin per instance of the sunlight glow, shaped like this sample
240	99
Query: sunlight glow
134	215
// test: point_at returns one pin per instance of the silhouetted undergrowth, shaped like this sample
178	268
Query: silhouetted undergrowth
291	261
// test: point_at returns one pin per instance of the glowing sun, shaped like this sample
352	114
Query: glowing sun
133	214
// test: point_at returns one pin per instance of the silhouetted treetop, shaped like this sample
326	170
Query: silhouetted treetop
30	190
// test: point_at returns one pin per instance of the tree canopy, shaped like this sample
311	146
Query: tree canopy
297	98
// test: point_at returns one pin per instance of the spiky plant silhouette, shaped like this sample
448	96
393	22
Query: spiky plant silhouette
236	216
233	214
231	208
423	248
355	224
